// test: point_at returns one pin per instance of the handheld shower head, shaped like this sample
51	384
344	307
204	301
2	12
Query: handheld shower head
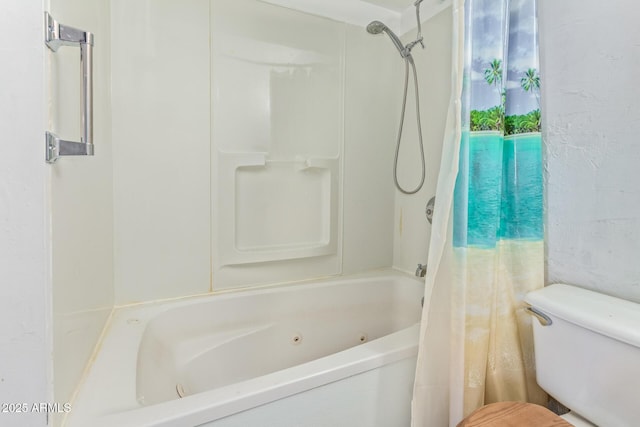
377	27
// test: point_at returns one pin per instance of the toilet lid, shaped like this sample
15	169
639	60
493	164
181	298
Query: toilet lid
513	414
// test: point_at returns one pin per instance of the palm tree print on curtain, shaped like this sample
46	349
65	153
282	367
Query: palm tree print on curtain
494	118
498	229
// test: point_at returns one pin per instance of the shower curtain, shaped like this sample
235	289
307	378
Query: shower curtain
486	249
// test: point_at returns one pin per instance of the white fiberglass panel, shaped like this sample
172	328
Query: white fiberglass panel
281	191
277	80
81	198
161	131
277	137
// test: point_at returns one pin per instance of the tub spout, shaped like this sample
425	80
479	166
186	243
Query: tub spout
421	271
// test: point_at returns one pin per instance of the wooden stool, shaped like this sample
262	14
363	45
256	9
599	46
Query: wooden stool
513	414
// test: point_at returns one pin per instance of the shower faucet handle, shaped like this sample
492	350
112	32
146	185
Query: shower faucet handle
421	270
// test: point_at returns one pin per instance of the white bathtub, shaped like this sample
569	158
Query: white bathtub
331	353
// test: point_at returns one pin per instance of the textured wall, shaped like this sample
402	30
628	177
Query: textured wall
590	56
24	251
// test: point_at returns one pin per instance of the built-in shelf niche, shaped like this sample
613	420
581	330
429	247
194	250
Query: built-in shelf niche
276	210
277	142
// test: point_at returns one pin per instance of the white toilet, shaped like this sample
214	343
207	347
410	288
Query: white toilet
587	350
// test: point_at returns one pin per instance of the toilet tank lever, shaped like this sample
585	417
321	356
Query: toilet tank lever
543	318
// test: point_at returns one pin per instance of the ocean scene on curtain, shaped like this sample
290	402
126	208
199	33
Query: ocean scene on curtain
498	201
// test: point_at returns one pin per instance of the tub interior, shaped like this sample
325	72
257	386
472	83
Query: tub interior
228	339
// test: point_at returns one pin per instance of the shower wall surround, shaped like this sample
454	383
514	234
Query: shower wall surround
411	229
253	144
277	116
161	132
81	200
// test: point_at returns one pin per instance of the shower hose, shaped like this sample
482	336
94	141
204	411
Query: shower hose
408	59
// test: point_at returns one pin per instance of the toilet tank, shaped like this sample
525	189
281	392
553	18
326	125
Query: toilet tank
588	358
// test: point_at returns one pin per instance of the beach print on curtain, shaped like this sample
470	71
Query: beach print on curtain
498	204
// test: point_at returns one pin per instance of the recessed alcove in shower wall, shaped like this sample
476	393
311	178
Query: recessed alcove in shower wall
276	210
277	142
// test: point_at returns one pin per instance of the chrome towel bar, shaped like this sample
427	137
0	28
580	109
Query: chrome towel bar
57	35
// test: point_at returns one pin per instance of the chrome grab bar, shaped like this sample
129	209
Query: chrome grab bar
57	35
